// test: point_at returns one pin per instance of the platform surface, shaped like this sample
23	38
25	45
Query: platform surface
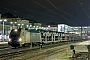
82	46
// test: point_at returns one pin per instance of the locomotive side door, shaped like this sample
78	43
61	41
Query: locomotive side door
27	37
23	37
23	34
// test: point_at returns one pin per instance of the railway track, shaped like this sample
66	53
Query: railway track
8	55
47	54
34	54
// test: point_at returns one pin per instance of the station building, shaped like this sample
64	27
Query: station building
13	22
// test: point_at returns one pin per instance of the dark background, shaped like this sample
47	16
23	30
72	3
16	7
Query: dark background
71	12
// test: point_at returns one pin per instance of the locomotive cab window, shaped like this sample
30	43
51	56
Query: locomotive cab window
14	33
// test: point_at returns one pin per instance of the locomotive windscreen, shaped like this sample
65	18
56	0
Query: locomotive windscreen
14	33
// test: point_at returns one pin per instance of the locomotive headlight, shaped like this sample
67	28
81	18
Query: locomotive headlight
15	30
20	39
9	39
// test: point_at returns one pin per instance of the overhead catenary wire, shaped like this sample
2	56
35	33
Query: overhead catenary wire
29	9
46	8
83	8
60	11
52	10
32	10
37	12
49	9
17	12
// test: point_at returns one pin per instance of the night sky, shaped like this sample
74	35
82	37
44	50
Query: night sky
70	12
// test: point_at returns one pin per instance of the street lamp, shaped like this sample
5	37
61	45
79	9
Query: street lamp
30	25
20	25
3	20
13	24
